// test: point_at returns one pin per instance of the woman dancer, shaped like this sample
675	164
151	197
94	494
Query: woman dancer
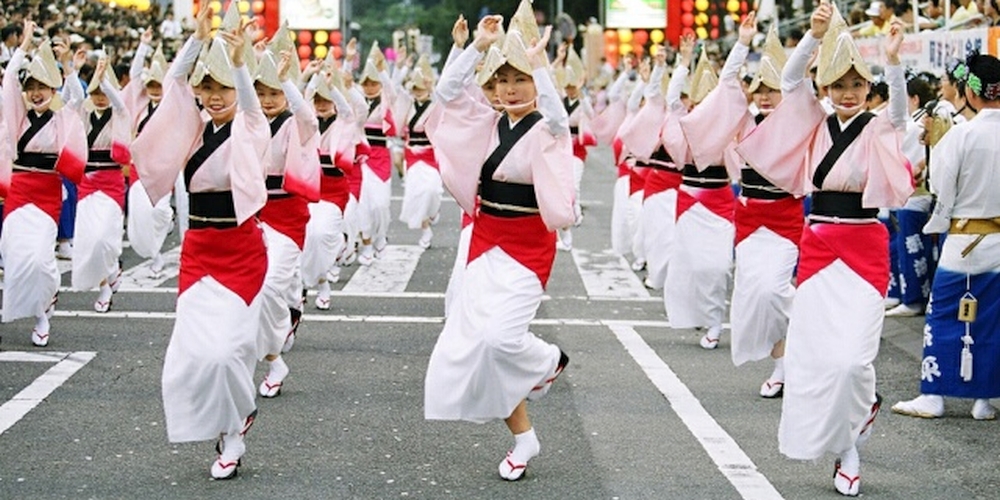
486	364
101	194
50	143
208	388
852	164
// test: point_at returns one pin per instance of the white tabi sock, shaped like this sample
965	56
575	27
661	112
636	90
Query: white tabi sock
526	447
105	294
278	371
779	370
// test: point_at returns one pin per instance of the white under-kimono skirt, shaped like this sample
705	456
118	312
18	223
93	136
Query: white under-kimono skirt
282	289
97	243
422	196
486	361
324	241
148	224
458	270
697	283
833	338
31	277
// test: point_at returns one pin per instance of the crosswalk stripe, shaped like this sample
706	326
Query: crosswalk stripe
389	273
731	460
141	277
17	407
606	274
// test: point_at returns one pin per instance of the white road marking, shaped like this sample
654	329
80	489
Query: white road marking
32	357
389	273
141	277
723	450
64	266
607	275
37	391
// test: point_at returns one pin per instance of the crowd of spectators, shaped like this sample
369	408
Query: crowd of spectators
874	18
88	24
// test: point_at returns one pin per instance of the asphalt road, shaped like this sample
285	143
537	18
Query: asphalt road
641	412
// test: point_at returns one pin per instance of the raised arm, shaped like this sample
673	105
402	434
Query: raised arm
139	59
894	77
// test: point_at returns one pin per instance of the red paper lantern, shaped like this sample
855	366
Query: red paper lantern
336	37
687	20
258	6
305	37
611	36
305	51
337	51
714	34
715	21
687	6
610	48
640	37
638	50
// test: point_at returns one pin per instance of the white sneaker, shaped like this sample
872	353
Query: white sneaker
983	410
425	238
904	311
890	302
639	265
923	406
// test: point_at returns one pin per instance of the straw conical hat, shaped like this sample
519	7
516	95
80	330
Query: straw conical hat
43	66
215	64
576	74
838	54
157	69
772	61
267	71
703	80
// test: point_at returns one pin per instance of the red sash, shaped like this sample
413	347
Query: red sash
525	239
289	216
863	247
109	182
424	154
380	161
659	181
235	257
336	190
32	188
720	201
785	217
637	179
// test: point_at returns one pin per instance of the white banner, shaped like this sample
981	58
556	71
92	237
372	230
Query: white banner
928	51
311	14
636	13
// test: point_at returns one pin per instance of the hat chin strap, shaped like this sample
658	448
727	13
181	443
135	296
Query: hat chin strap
38	107
516	108
221	111
855	109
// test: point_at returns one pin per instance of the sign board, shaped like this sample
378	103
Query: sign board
311	14
636	13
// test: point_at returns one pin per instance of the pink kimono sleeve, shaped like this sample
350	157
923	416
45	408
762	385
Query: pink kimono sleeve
779	148
164	147
552	176
713	126
606	124
6	159
73	150
249	141
890	178
672	137
461	141
639	133
302	168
